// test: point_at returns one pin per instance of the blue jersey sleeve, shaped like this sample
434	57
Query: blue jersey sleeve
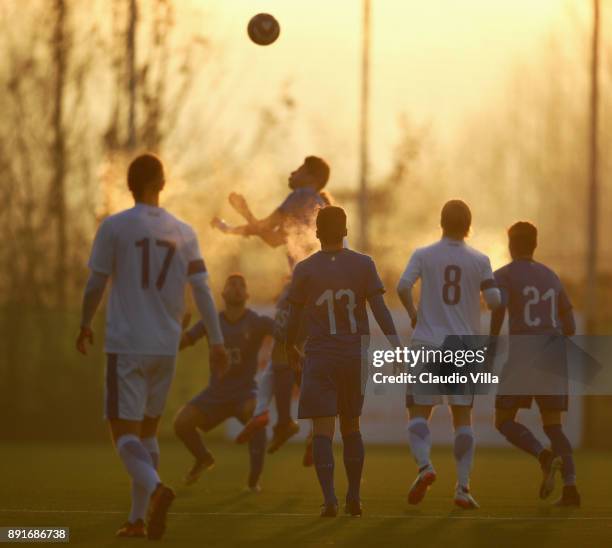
374	284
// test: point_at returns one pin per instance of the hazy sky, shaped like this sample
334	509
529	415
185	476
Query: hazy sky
435	61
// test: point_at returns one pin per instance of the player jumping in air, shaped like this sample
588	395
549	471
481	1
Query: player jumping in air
330	289
292	225
233	394
537	305
452	277
150	256
279	375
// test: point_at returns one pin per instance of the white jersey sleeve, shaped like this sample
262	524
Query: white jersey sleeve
102	256
487	280
412	271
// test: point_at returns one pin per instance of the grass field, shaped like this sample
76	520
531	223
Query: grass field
83	486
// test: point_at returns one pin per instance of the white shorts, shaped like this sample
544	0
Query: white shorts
137	385
464	397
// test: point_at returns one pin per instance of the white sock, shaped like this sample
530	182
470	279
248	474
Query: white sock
265	391
138	462
152	446
464	454
419	438
140	496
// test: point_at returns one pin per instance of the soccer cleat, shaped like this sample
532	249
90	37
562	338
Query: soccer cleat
425	477
160	503
307	459
569	497
199	466
329	510
255	423
353	508
254	489
132	530
282	433
464	499
549	465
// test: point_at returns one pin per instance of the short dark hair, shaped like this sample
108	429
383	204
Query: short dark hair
523	238
236	275
331	224
146	172
318	168
456	219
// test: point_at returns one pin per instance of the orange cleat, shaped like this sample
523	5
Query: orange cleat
255	423
160	503
132	530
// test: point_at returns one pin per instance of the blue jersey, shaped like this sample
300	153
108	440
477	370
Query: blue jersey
333	287
299	211
243	339
534	296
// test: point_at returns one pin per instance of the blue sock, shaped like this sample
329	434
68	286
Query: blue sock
257	451
353	463
561	446
520	436
323	456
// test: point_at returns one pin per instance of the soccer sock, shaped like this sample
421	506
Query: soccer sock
283	386
562	447
419	438
140	496
265	391
257	451
323	457
464	454
138	462
192	440
152	446
353	463
520	436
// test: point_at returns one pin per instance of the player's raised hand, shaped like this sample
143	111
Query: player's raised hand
218	359
220	224
239	203
85	336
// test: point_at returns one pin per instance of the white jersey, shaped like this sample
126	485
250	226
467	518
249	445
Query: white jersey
452	276
149	255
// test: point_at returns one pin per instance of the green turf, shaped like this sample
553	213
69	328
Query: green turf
85	488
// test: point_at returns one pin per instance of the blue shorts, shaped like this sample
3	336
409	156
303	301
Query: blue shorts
215	411
331	386
549	402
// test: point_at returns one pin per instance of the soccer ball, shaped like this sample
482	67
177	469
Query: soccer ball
263	29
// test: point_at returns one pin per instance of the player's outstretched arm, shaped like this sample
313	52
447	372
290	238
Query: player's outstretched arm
383	319
92	297
268	229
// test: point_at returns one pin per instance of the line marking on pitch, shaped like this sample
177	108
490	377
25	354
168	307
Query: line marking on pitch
304	515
